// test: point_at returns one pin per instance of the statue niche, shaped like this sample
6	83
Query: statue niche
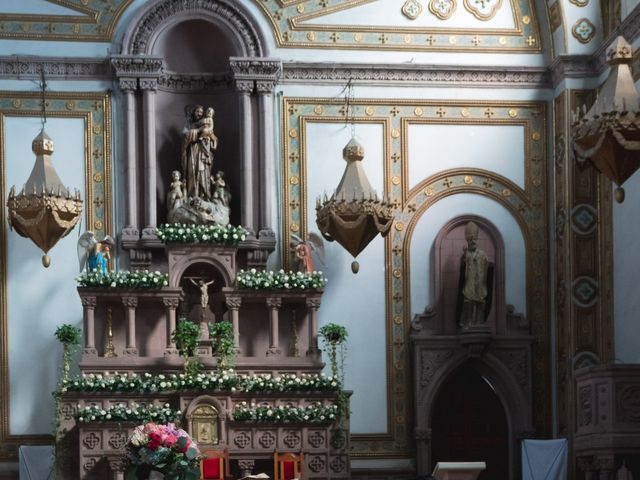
201	304
197	195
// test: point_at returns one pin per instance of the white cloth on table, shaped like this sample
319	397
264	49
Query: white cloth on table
36	462
544	459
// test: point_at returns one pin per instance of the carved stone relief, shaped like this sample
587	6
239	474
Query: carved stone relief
430	362
585	411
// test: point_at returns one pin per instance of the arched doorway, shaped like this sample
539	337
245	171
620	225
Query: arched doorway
469	424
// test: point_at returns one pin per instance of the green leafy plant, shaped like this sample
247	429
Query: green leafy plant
334	339
314	413
70	337
223	343
186	336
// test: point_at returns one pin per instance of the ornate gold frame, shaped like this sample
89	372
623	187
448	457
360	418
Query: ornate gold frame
528	206
94	24
287	19
95	110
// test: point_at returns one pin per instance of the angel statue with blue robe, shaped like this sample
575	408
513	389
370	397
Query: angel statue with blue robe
94	255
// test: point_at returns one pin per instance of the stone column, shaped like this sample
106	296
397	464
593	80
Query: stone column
313	304
128	87
130	304
423	439
88	314
171	304
246	467
267	192
606	465
246	154
274	304
233	304
149	86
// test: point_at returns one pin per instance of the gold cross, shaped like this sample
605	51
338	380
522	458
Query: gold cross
384	38
286	36
323	3
397	250
489	112
343	110
531	41
430	40
334	37
294	157
294	203
292	109
441	112
395	157
475	40
487	183
98	202
97	153
394	111
447	182
411	207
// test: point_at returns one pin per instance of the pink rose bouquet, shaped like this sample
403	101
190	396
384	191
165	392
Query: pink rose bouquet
162	448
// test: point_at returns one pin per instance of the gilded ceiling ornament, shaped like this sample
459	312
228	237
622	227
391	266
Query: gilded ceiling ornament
583	30
483	9
411	9
443	9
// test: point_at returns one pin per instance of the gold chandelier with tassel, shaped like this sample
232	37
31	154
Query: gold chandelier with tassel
45	210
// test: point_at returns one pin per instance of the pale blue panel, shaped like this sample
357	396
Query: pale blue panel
39	299
626	265
435	148
627	7
355	301
35	6
432	221
53	48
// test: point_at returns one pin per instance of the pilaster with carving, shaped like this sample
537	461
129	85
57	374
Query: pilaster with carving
130	304
88	310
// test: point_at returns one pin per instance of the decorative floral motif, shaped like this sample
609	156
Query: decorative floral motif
242	440
181	233
267	440
483	9
584	219
583	30
224	381
268	280
443	9
411	9
143	279
585	292
316	413
123	412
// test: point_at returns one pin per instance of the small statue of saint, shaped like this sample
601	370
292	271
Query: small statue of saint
94	254
476	279
204	292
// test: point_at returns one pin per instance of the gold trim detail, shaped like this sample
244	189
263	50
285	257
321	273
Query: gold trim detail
443	12
476	8
95	23
291	28
95	110
528	206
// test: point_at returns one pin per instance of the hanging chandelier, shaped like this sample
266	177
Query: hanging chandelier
609	133
354	215
45	210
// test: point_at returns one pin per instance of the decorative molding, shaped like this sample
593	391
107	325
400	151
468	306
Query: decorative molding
528	205
95	111
137	66
157	14
483	9
30	68
176	82
583	30
572	66
629	29
298	24
95	23
417	75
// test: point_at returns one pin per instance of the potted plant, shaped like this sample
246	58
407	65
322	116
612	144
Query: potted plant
162	449
186	336
223	343
70	337
334	339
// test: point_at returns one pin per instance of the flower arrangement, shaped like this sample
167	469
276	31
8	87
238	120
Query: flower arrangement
132	413
280	280
162	448
315	413
218	381
182	233
124	279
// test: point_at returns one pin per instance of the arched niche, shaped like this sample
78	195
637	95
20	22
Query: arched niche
213	280
447	252
442	364
205	418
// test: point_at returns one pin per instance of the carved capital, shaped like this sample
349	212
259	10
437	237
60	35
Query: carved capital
130	302
88	302
233	303
265	87
313	303
149	84
274	302
422	434
128	85
171	302
117	463
244	86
